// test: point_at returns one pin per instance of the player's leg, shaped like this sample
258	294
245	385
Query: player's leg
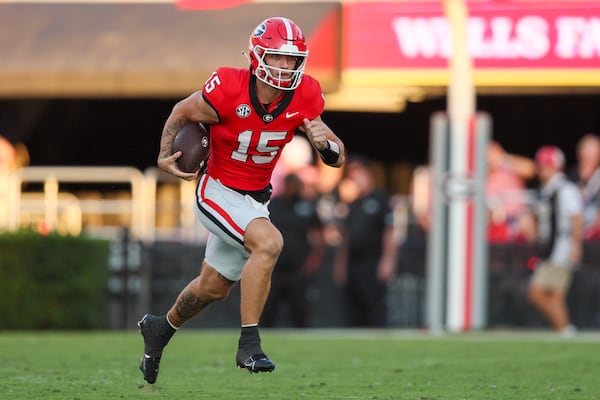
264	243
208	287
221	269
243	223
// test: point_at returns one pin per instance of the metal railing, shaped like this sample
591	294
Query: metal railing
51	202
67	212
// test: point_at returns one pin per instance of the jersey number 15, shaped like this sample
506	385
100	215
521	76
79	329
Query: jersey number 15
268	152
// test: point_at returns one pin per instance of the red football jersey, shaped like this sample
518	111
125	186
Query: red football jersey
247	141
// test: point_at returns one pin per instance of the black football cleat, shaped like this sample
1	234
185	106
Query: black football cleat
156	332
259	362
149	367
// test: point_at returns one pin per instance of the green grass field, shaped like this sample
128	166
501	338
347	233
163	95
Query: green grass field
310	365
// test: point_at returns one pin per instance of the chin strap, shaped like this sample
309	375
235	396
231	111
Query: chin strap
247	56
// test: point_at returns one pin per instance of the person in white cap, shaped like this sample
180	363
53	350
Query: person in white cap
560	233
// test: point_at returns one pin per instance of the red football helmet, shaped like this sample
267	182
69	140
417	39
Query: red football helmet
278	35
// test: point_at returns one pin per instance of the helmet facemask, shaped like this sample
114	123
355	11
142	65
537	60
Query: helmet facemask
279	78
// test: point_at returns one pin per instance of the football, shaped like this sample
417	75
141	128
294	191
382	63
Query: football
193	140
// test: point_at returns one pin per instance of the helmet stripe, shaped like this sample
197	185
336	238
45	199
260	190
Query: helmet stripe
288	30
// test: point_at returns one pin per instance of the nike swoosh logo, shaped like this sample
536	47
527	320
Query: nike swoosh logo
291	114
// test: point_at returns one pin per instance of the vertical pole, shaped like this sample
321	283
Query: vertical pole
461	108
461	90
438	229
125	240
149	210
51	203
483	129
14	200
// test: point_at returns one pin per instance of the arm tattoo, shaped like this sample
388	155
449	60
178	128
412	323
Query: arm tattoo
168	136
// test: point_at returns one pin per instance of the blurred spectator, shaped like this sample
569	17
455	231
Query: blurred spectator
505	194
8	155
11	158
296	155
295	215
505	185
366	257
587	176
309	175
420	196
559	233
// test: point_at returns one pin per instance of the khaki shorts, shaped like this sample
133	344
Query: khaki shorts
552	276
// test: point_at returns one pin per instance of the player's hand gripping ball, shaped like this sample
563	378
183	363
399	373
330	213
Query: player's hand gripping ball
193	140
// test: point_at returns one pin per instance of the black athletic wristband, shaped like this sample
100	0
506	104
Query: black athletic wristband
330	154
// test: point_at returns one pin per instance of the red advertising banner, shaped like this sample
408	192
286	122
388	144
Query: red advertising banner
501	34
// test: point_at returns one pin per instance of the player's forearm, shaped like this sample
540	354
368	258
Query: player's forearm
176	120
172	126
181	113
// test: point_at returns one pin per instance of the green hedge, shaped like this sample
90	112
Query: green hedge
52	282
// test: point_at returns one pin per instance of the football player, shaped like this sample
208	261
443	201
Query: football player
252	114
